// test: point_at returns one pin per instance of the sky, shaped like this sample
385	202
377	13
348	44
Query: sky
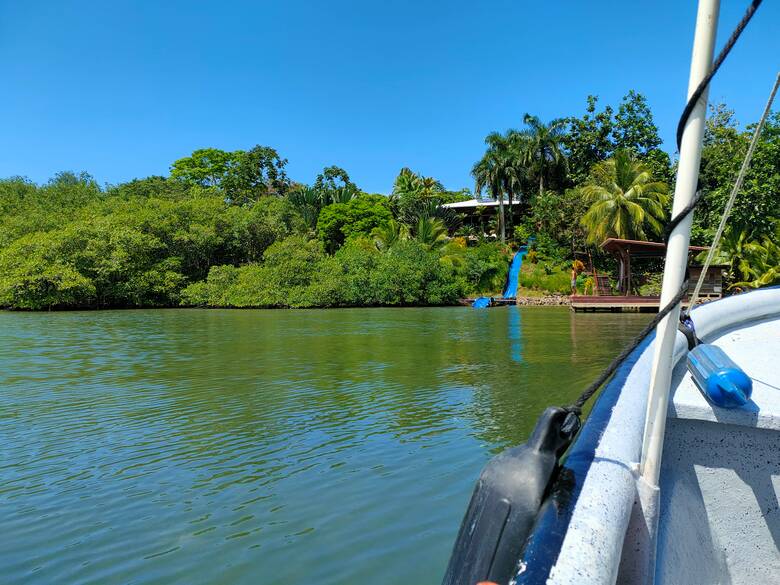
121	89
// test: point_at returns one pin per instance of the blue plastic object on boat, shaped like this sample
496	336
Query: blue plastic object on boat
721	381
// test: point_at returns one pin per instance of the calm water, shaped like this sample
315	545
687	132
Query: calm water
274	447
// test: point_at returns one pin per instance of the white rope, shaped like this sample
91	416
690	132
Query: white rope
734	192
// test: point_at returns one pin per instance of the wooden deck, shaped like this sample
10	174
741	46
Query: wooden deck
615	304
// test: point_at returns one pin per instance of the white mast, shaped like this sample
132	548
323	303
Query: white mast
677	248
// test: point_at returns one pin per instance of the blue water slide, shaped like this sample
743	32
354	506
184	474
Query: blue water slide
510	291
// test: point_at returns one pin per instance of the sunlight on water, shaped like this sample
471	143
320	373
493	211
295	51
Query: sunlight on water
267	446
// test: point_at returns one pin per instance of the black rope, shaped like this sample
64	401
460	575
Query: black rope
715	66
675	221
611	368
576	408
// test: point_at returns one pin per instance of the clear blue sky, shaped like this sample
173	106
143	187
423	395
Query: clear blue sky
121	89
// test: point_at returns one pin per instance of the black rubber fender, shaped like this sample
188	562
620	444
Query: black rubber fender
506	501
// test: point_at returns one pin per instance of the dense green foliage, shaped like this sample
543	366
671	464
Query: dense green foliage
545	277
232	229
190	240
297	273
339	222
136	251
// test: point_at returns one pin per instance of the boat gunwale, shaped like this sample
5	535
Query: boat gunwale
542	549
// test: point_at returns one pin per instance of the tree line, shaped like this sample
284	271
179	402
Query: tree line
233	229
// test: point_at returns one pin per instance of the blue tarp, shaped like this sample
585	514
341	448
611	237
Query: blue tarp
481	303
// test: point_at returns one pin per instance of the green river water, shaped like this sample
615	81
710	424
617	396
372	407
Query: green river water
272	447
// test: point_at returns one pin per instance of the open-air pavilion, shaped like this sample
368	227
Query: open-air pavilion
621	294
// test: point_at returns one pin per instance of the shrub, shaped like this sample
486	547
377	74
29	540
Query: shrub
486	268
410	274
339	222
545	278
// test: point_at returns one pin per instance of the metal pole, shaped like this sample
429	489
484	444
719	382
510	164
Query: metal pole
677	248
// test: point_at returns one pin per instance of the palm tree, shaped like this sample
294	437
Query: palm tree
542	145
499	171
624	200
309	202
487	174
431	232
339	195
385	236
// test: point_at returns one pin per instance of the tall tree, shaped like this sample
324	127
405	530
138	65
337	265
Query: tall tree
206	167
499	171
598	134
635	130
415	197
758	202
625	200
257	173
542	145
332	178
588	140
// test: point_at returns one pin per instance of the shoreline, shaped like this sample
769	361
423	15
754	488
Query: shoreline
553	300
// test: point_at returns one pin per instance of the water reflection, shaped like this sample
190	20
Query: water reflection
252	446
514	335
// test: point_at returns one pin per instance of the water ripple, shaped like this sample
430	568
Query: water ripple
266	446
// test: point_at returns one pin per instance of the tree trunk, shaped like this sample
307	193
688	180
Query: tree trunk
511	226
541	182
501	219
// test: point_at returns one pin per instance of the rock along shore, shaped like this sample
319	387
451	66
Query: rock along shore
544	301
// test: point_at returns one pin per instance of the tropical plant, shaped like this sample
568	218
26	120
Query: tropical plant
625	201
206	167
430	232
732	252
486	268
332	178
754	263
389	234
339	195
499	171
415	196
764	264
339	222
410	183
453	254
308	202
428	208
542	146
256	173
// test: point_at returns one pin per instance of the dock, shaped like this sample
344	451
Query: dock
497	302
619	304
615	304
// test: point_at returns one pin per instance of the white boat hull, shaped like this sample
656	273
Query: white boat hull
716	517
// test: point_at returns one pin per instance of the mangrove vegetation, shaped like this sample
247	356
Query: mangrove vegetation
232	229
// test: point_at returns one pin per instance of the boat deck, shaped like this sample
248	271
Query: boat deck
720	480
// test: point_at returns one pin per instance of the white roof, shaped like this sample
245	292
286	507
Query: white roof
472	203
